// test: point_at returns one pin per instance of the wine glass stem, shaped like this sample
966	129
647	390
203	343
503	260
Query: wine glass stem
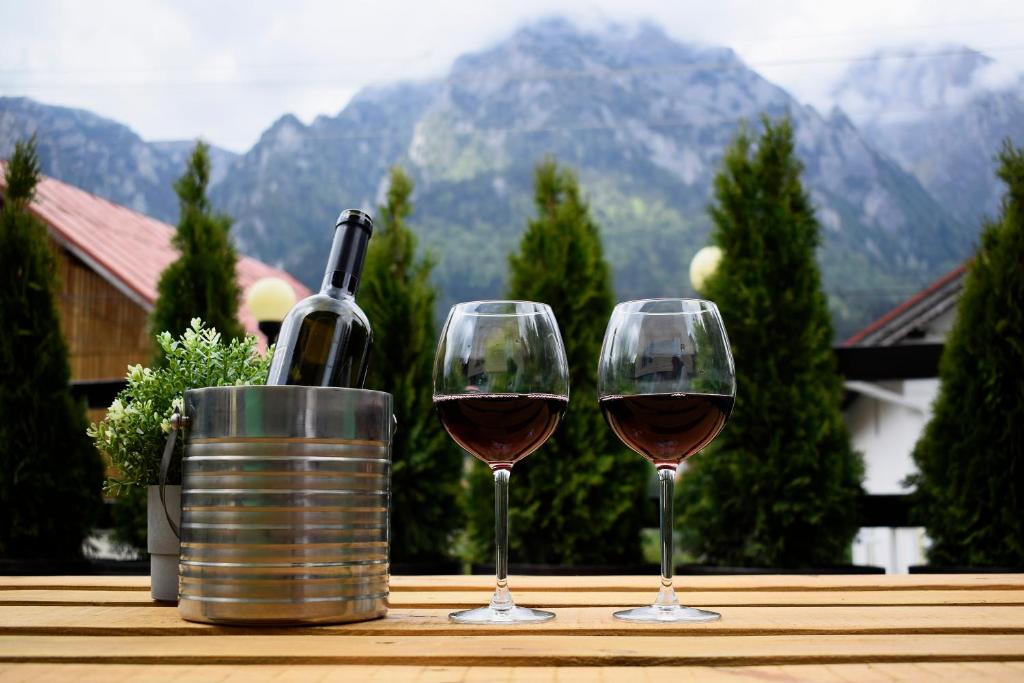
502	599
666	486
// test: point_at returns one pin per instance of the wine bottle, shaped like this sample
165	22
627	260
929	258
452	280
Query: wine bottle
325	338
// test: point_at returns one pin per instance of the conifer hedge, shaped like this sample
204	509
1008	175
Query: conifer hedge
581	498
201	282
50	474
780	485
398	298
970	486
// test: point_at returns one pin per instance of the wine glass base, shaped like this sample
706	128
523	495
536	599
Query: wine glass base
656	614
489	615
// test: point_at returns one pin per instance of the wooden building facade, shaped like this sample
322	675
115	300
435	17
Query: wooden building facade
104	329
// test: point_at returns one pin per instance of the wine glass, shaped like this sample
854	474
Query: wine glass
666	386
501	385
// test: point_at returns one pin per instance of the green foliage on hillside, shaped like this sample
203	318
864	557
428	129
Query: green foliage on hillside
970	489
649	233
398	298
780	485
580	498
50	474
201	282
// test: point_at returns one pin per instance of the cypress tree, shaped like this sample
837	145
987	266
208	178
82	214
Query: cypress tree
201	282
398	298
780	485
970	489
581	498
50	474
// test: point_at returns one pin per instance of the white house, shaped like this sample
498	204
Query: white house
891	369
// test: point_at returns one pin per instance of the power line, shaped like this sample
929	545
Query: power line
170	68
863	31
874	31
539	74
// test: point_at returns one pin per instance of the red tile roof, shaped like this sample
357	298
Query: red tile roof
907	305
127	248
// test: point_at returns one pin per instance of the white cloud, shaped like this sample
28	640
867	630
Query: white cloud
226	70
996	75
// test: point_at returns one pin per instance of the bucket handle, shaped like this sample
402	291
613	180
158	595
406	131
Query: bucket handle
177	422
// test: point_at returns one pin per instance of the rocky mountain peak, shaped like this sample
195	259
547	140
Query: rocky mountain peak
941	112
642	118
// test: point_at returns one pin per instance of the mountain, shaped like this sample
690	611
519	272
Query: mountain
287	191
102	156
642	118
942	113
177	153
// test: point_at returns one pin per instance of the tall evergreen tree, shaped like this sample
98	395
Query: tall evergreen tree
398	298
50	474
581	498
201	282
970	490
780	485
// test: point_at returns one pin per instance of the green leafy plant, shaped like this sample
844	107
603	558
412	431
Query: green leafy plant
135	428
49	472
780	485
581	498
970	489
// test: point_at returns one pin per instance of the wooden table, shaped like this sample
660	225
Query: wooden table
773	628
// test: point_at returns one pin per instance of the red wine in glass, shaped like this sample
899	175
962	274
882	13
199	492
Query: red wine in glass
667	428
501	385
666	385
500	429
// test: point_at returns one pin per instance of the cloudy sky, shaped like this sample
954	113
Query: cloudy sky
176	69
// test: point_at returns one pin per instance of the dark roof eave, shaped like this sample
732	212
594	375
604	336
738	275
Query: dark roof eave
922	307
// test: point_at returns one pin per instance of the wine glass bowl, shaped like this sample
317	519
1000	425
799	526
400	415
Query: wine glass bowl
666	386
501	385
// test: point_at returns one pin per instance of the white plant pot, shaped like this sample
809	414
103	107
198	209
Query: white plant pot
162	543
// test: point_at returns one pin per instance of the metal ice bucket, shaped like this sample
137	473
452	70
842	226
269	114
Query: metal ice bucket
284	506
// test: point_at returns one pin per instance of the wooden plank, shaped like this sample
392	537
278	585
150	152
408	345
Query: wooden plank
462	599
89	596
108	583
465	599
758	583
165	621
972	672
526	650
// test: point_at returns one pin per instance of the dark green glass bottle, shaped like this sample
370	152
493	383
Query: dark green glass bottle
325	339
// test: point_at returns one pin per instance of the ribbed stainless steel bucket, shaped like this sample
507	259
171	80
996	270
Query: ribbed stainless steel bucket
284	506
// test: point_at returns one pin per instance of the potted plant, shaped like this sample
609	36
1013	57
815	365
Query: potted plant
135	429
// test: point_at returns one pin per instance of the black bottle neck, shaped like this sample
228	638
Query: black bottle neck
345	265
